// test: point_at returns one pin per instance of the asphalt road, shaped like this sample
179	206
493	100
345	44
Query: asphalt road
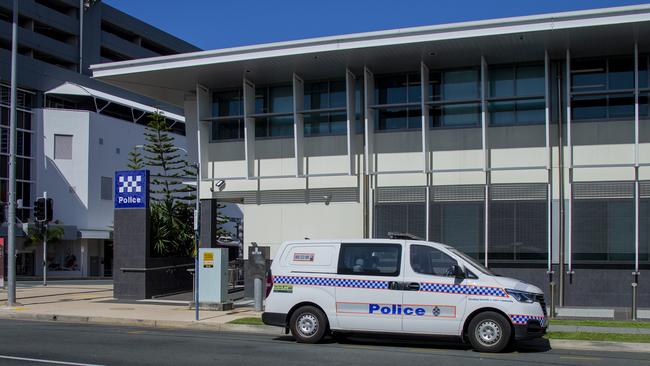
43	343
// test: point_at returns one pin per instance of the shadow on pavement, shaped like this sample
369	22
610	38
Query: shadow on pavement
447	343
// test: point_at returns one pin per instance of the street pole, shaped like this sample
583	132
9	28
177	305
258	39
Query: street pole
45	242
197	219
11	215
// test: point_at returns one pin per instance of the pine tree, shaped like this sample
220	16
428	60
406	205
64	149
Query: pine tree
171	206
135	161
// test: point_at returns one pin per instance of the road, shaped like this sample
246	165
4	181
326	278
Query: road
42	343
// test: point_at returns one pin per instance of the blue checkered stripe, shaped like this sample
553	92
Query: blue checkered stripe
523	319
462	289
333	282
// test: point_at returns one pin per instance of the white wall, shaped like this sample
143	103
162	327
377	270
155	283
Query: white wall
75	185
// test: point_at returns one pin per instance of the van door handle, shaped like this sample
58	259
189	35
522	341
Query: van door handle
413	286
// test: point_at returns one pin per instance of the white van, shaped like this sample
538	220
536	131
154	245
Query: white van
398	286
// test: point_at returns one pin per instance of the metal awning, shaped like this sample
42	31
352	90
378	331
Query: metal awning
72	89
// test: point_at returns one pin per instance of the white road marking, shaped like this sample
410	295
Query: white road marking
46	361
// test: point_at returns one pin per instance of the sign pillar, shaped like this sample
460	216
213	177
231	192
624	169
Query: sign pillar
131	234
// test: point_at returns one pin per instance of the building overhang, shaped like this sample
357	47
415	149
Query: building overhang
518	39
72	89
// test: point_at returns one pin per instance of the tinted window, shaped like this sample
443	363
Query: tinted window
431	261
370	259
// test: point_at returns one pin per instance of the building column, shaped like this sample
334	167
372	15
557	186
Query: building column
249	127
299	124
486	156
350	90
369	123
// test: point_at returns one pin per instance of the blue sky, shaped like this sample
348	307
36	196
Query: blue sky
212	24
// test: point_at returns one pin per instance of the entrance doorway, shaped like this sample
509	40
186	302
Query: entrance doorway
108	258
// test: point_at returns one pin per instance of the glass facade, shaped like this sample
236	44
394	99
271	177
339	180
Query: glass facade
602	89
24	159
325	108
229	106
455	95
516	94
398	100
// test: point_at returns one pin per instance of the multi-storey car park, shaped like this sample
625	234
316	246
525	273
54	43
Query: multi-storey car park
524	142
73	131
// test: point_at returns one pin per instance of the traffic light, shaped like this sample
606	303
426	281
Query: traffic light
43	209
39	209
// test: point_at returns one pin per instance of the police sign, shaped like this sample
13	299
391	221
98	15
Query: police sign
132	189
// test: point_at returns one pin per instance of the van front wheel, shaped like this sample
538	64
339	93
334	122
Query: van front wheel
489	332
308	324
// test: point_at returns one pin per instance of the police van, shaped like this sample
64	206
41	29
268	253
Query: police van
398	286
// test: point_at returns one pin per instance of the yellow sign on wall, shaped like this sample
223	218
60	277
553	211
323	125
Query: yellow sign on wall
208	260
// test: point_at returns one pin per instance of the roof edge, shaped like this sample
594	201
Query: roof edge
338	40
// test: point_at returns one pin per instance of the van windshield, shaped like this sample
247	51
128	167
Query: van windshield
473	261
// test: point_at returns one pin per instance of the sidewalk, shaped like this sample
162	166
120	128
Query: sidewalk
93	302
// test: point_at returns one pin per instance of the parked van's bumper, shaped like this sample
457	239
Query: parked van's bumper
529	331
275	319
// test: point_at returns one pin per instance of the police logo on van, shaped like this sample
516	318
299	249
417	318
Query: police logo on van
374	309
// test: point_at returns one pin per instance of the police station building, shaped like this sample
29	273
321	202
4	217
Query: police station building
524	142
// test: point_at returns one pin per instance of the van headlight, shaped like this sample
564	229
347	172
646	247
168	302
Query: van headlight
521	296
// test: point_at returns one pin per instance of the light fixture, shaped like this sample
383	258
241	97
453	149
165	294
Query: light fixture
327	198
221	185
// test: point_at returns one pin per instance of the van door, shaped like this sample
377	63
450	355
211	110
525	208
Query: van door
368	295
430	286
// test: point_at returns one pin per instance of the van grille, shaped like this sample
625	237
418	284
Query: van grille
540	299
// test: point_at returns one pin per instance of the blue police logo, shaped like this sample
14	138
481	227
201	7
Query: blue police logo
132	189
436	311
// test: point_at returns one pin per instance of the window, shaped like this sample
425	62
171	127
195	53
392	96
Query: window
106	188
602	88
516	94
274	111
229	107
330	95
430	261
370	259
455	95
398	100
63	147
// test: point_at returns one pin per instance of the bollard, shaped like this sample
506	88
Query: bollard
635	285
551	313
258	293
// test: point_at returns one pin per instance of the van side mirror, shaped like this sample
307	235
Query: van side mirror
457	271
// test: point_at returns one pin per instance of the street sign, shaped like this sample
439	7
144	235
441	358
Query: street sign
208	260
132	189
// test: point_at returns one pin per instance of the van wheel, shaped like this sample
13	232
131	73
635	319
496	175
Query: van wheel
489	332
308	324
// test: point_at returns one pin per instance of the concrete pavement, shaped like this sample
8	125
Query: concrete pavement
78	301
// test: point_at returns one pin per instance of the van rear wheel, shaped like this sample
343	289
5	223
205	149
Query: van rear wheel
308	324
489	332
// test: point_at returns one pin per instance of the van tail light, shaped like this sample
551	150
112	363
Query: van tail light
269	282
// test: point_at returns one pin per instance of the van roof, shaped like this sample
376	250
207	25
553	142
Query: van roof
360	241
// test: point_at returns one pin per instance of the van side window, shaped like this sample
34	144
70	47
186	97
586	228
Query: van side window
370	259
430	261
